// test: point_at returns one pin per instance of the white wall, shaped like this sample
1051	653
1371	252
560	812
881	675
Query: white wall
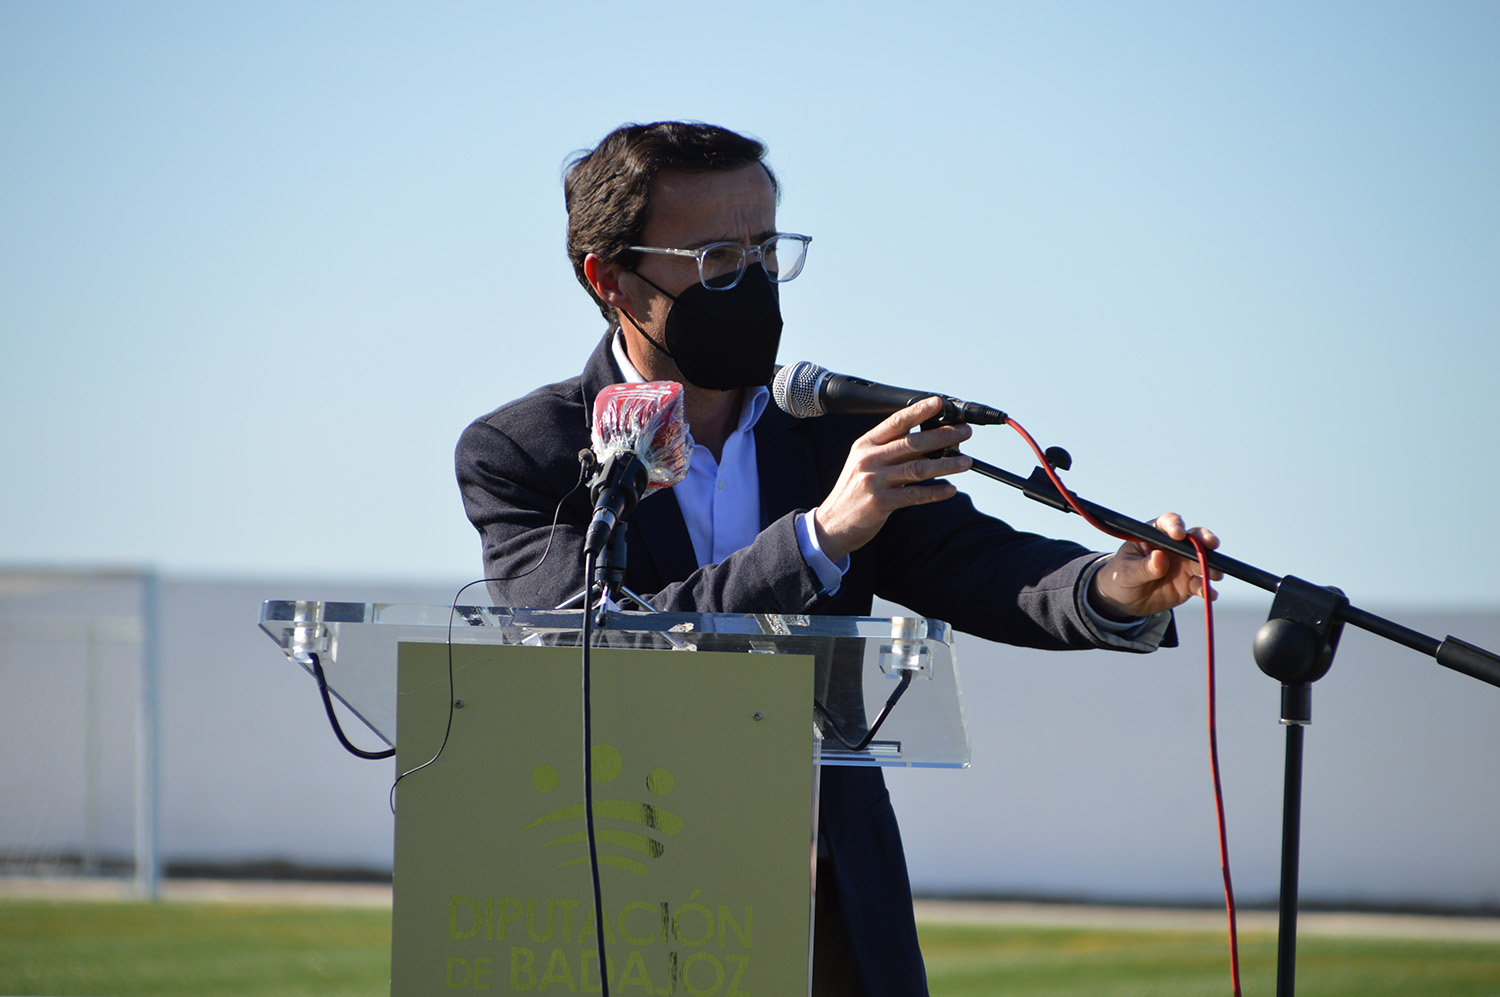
1090	774
250	768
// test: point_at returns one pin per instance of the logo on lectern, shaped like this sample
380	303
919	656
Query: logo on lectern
627	847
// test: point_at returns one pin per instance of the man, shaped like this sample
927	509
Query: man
672	230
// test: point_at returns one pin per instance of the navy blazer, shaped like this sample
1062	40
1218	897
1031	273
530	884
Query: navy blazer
519	465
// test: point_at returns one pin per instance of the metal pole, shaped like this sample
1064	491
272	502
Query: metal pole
92	722
1296	708
147	744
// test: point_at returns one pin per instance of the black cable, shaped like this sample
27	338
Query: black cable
588	774
448	729
334	720
588	770
890	703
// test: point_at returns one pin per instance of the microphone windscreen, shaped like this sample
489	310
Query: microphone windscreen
795	389
648	420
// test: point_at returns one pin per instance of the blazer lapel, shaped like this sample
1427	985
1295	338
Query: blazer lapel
658	530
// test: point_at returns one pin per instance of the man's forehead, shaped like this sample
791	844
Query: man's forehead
712	204
749	175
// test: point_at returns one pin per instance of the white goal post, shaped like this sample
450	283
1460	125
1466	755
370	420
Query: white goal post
79	725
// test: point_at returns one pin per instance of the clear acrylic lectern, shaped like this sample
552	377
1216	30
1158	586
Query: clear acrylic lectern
708	735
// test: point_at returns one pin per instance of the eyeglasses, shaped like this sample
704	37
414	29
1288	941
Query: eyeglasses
722	264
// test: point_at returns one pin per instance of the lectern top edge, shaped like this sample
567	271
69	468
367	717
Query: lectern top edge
859	662
276	615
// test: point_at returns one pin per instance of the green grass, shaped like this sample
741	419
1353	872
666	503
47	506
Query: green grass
118	949
1033	962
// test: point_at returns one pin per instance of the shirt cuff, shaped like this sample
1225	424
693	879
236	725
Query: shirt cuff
1142	634
830	575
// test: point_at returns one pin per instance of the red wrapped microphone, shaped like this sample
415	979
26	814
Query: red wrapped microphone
640	440
648	420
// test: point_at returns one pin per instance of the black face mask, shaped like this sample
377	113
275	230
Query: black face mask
723	339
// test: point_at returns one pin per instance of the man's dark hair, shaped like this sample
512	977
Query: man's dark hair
607	190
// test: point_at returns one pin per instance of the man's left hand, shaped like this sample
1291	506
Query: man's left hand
1141	580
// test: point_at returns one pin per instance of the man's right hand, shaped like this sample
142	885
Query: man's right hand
881	464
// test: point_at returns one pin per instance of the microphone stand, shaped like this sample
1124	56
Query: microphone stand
609	580
1295	646
608	584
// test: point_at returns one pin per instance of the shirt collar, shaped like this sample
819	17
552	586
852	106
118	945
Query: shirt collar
627	369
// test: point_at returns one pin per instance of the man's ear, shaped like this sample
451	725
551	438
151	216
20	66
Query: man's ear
604	278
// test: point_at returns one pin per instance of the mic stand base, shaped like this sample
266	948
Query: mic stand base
608	589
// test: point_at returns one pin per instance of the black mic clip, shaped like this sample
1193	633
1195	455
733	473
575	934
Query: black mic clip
588	465
616	488
950	415
1039	487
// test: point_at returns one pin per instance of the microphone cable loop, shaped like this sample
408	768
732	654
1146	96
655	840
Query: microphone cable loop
864	742
333	720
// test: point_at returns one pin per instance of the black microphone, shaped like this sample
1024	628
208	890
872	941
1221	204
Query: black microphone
804	390
618	487
639	444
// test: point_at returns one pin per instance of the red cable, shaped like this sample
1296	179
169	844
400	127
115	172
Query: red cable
1213	754
1213	724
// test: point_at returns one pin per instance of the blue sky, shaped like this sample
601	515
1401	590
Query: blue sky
261	262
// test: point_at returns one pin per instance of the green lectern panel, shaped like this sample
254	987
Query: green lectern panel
704	785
